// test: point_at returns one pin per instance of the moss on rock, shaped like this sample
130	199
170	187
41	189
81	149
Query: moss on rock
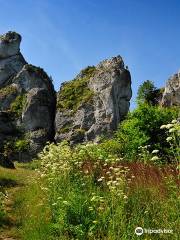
7	91
37	70
76	92
18	104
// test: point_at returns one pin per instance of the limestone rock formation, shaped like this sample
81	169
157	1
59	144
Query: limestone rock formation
27	102
171	95
94	102
90	105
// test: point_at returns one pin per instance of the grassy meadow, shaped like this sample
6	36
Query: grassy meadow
99	191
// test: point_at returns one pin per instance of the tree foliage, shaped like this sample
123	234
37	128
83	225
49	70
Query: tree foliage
142	127
148	93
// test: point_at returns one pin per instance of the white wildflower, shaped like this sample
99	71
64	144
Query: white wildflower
154	158
174	121
168	139
172	130
168	126
109	182
155	151
163	127
100	180
65	202
54	204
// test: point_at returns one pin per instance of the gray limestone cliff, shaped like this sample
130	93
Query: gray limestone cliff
27	103
94	102
171	95
31	113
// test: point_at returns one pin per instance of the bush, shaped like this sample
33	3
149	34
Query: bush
21	145
142	127
18	105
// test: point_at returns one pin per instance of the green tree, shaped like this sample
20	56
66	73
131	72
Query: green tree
148	93
142	127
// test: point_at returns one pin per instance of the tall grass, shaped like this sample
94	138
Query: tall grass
94	195
88	192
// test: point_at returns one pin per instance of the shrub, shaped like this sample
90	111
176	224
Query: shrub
18	105
142	127
37	70
173	138
131	136
7	91
21	145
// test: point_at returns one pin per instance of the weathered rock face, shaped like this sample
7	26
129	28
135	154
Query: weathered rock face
7	130
171	95
98	100
91	105
9	44
27	95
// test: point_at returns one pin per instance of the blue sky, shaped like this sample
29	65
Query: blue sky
64	36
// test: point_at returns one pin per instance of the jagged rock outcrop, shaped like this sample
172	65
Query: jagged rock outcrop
93	103
171	95
27	102
90	105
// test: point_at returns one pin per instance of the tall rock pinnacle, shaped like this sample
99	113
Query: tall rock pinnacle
98	100
27	103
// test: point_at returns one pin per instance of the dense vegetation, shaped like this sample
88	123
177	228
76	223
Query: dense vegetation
7	91
104	191
148	93
18	104
76	92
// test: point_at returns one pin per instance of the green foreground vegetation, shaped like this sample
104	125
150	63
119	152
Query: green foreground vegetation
99	191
